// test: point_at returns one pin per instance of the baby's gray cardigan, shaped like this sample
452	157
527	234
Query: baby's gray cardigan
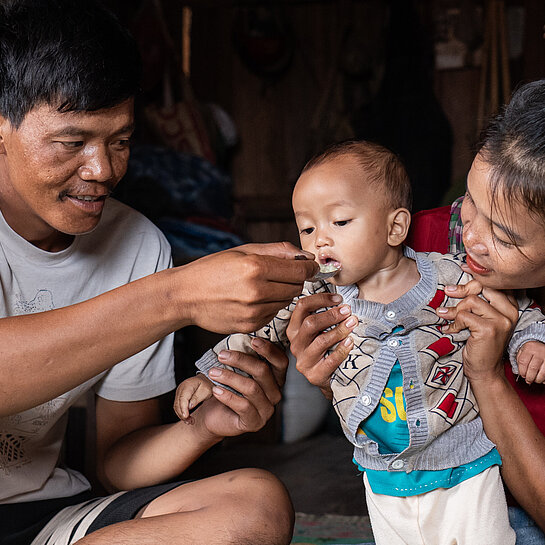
442	414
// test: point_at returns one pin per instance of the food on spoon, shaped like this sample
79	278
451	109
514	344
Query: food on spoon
330	267
327	270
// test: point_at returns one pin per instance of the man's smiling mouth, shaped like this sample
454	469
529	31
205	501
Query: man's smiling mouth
88	204
84	197
87	197
89	193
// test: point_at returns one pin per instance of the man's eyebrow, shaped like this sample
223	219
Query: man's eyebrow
516	238
127	128
70	131
73	131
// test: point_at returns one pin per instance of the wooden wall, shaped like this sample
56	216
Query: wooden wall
279	119
274	116
282	120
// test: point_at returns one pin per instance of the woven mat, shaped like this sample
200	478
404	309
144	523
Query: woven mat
331	530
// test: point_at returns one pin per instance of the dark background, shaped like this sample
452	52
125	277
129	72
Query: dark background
287	78
295	76
419	76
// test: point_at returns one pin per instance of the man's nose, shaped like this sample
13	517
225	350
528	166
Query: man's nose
97	165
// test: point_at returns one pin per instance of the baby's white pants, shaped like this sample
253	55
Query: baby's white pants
473	512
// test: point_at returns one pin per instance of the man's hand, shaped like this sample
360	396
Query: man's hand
309	342
490	320
229	414
242	289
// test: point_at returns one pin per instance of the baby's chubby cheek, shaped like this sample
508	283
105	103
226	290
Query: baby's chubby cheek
308	247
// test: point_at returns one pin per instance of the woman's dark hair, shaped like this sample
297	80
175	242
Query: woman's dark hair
379	166
72	54
513	146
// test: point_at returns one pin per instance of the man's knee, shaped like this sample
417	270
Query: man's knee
251	506
269	514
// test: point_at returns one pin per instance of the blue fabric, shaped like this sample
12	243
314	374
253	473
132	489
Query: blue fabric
387	426
187	184
403	484
194	240
528	533
186	196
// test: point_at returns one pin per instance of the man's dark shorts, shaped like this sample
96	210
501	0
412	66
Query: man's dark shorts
65	520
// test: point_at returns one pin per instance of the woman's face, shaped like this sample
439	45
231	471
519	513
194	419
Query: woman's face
490	230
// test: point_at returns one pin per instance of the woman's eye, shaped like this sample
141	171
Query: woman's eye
502	242
306	231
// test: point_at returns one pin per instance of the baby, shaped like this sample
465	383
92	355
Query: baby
401	395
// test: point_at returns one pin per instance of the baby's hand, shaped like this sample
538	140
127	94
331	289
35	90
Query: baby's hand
531	361
189	394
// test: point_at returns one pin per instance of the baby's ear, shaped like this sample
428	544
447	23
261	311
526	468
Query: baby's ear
399	221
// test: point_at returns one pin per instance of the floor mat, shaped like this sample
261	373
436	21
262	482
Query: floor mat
331	530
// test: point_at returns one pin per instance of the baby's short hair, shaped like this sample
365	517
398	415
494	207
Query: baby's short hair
379	166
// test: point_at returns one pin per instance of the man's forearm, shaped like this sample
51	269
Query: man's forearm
46	354
521	445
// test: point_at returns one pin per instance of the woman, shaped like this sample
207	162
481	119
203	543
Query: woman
501	223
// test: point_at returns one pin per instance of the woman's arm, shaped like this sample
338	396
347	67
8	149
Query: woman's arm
506	420
509	425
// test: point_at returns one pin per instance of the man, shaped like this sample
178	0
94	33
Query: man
89	301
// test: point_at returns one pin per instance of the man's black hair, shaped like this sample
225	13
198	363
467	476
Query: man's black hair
72	54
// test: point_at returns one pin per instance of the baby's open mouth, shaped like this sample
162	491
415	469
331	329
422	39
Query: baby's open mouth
328	268
328	263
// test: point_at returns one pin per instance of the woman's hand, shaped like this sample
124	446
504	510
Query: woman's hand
309	342
490	320
506	420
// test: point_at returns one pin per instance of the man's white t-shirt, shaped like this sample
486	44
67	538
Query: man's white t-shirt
123	247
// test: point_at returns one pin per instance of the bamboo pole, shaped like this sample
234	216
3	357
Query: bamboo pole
506	76
485	60
494	79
